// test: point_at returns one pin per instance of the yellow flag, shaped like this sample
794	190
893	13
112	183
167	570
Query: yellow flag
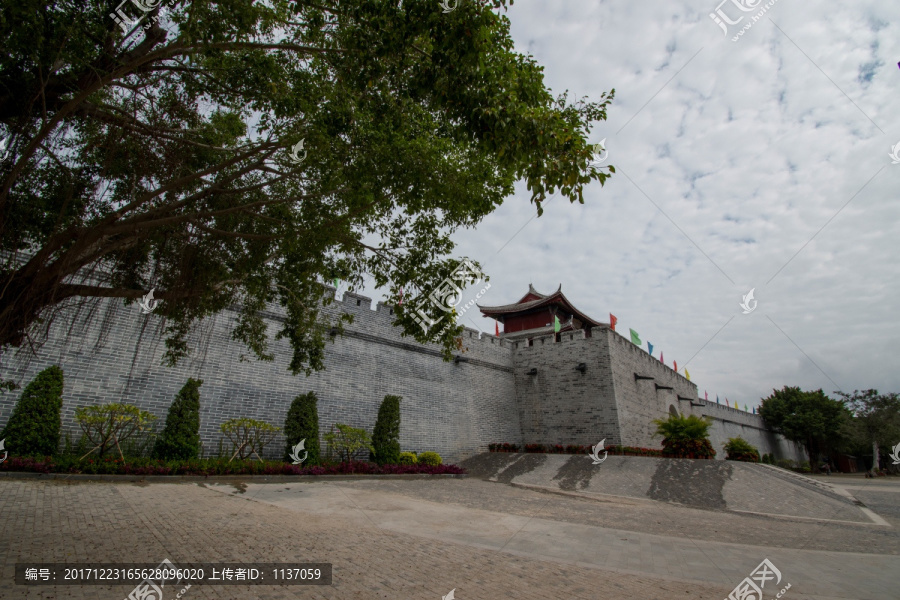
686	374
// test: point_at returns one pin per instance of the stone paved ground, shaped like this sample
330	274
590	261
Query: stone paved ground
414	539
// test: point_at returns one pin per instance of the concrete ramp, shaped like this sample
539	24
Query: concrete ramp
705	484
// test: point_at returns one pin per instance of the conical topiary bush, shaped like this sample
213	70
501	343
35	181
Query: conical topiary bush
180	438
34	426
302	423
386	436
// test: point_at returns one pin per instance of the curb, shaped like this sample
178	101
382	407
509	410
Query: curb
192	478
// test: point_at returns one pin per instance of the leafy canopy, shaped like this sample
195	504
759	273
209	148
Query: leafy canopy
162	158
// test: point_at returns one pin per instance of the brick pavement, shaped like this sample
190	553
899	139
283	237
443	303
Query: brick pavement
358	530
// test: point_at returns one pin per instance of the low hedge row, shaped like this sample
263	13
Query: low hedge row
206	467
575	449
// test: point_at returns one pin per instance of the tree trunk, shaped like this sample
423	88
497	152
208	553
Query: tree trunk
874	458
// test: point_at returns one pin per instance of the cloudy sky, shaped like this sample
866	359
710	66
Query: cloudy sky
758	163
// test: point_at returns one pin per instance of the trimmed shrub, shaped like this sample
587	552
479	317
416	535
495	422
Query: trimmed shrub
386	435
248	436
738	448
685	436
431	459
111	425
180	437
347	441
784	463
407	458
35	423
302	422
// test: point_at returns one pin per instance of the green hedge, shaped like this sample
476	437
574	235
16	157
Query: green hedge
35	423
180	438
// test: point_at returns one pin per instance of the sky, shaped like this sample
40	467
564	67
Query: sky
762	163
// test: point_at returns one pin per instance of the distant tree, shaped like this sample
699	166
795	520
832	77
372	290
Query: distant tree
877	419
386	435
35	423
180	438
302	423
809	418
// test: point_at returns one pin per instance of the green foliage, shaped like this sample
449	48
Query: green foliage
768	459
248	436
164	157
347	441
302	423
784	463
685	436
430	458
180	438
34	426
407	458
738	448
810	418
111	425
681	427
386	435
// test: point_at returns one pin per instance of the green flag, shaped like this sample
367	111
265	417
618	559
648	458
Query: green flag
635	338
556	325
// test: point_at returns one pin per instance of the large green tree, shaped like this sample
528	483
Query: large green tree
809	418
876	419
243	153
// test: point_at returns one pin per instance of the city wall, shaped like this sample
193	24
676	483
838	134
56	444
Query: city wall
455	409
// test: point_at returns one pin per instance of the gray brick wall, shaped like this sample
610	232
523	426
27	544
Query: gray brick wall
639	401
453	409
560	405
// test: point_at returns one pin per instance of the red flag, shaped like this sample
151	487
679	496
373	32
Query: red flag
675	362
705	395
401	296
497	328
661	357
612	321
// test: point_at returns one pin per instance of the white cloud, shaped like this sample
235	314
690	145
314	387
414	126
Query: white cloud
751	149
